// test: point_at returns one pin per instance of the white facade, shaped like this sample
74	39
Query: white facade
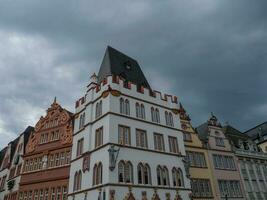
109	93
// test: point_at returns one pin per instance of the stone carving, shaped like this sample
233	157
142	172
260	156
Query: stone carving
130	195
31	144
155	195
112	195
144	195
113	155
66	135
86	162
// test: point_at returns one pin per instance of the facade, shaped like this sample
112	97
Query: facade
226	176
127	141
15	153
47	158
252	163
197	156
259	135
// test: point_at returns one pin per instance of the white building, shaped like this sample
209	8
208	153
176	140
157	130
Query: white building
11	166
127	140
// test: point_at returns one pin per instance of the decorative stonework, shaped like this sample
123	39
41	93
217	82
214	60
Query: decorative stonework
129	195
112	195
213	121
66	135
32	143
144	197
86	162
177	196
183	114
155	195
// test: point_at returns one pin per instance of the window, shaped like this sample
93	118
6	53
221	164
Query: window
98	111
21	196
77	180
97	174
196	159
35	194
187	137
230	187
201	188
141	138
3	183
58	193
79	147
65	193
144	176
99	137
223	162
124	135
258	170
177	176
41	194
140	111
155	115
219	141
168	118
124	106
46	194
56	137
68	157
162	176
57	159
62	158
12	172
125	172
173	144
159	142
53	194
51	160
25	196
82	120
40	163
30	195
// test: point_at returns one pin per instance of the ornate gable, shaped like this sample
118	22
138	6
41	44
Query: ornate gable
56	118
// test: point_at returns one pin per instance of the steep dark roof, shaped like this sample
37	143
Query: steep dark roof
202	131
258	130
2	155
14	144
235	135
27	134
117	63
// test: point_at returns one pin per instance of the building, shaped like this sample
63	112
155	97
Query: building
47	158
127	141
197	156
226	176
14	154
259	135
252	163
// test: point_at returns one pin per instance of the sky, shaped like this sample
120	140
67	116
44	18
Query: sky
212	54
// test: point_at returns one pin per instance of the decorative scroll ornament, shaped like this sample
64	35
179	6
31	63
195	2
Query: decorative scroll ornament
175	111
31	144
105	94
66	135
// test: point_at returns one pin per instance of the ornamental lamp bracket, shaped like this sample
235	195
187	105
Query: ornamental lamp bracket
113	155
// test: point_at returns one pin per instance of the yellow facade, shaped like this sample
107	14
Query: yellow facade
194	144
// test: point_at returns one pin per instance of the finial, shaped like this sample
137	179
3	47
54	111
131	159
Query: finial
212	114
55	100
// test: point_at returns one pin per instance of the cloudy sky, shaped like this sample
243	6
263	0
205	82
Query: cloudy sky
212	54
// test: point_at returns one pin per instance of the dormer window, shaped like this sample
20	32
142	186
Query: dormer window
127	65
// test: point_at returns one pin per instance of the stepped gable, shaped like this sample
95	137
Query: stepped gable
118	64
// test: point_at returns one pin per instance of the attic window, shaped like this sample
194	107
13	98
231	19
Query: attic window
127	65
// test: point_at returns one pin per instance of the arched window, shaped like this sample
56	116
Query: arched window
152	114
140	173
79	184
75	181
143	114
165	176
137	109
121	171
128	172
122	110
127	107
144	176
157	116
82	120
167	118
159	175
177	176
125	172
171	119
98	109
97	174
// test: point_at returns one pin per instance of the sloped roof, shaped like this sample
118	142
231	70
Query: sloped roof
235	135
2	155
202	131
258	130
27	133
117	63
